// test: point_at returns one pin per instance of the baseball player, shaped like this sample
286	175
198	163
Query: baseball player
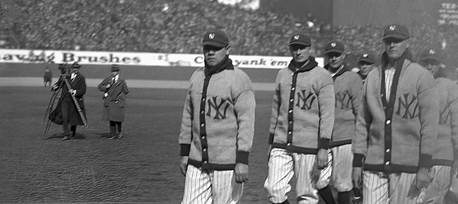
301	126
447	130
347	87
366	63
217	127
396	127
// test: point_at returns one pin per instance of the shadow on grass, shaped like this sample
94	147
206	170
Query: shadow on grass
77	136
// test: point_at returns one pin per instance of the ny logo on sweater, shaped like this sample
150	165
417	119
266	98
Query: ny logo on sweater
343	100
407	106
219	105
305	100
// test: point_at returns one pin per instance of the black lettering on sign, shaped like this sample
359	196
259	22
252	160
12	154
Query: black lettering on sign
407	106
343	100
219	105
305	100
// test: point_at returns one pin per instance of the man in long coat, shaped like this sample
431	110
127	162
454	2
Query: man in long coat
114	101
70	115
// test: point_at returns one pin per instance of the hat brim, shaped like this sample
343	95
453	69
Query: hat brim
214	44
366	61
300	43
430	60
333	51
395	36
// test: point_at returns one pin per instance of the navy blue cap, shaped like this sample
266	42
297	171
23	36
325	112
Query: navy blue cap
300	39
367	58
396	31
334	46
215	38
430	55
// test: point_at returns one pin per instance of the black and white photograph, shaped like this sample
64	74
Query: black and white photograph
229	101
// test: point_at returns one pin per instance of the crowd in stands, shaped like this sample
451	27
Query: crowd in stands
176	26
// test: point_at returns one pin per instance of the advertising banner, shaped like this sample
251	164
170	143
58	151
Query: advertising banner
136	58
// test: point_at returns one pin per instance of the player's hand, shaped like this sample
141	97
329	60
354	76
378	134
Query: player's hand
322	158
72	91
241	172
423	178
183	165
357	177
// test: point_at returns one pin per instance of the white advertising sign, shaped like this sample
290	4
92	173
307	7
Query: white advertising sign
137	58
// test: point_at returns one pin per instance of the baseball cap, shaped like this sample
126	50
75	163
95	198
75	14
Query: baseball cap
430	55
334	46
395	31
215	38
367	58
300	39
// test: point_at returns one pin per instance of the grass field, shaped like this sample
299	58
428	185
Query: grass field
142	167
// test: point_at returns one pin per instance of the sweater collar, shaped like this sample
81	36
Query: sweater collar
309	64
225	64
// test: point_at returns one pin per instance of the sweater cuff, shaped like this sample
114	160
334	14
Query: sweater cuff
358	160
184	149
425	160
271	138
242	157
323	143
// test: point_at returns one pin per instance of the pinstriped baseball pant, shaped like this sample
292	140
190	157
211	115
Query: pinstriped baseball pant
397	188
342	168
283	165
213	187
435	192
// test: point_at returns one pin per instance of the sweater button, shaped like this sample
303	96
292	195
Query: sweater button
388	122
387	163
289	144
204	149
387	150
202	125
290	111
291	100
292	88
